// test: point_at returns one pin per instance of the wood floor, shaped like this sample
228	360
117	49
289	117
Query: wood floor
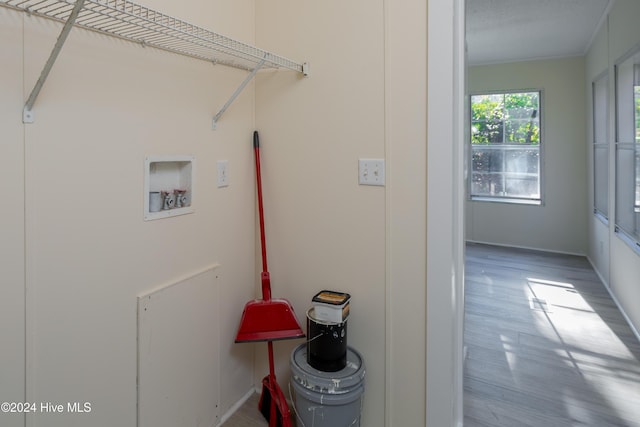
546	345
248	415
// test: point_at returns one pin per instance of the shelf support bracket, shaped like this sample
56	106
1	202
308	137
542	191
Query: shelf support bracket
237	92
27	113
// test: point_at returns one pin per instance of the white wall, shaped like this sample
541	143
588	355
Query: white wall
560	223
12	289
615	261
78	244
324	230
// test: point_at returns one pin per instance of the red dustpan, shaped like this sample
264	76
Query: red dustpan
268	319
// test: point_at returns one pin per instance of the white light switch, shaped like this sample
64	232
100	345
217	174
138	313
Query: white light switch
371	172
223	173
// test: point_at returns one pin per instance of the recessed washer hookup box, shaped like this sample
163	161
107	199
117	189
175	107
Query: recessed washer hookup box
331	306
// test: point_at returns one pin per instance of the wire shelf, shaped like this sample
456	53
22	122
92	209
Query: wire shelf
136	23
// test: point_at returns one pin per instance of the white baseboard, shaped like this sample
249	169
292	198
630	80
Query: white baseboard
530	248
236	406
615	300
600	276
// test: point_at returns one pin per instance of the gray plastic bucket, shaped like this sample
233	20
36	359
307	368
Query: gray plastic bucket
327	399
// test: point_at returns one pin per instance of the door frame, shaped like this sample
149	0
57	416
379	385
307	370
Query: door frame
445	211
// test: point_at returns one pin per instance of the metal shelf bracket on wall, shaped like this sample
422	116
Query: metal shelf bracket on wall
237	92
27	113
305	72
136	23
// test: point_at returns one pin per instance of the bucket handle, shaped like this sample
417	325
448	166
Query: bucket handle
316	337
293	405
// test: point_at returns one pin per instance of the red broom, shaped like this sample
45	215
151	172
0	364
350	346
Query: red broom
268	320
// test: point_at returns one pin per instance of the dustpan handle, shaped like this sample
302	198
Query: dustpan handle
266	284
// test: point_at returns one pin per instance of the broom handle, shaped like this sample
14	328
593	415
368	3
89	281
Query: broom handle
273	422
266	282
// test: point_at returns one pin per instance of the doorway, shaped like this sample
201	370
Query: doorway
526	237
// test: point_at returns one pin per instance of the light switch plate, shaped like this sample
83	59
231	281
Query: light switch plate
371	172
223	173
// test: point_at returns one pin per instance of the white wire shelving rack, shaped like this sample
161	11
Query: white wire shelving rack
139	24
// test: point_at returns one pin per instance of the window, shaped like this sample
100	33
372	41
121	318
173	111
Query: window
601	146
505	147
628	147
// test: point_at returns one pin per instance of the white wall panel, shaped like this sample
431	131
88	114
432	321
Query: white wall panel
178	357
12	263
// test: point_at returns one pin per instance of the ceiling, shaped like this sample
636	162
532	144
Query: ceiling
514	30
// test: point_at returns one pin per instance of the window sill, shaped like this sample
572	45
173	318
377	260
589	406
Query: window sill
601	217
629	240
505	200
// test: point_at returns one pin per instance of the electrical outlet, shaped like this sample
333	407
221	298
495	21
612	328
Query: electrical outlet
223	173
371	172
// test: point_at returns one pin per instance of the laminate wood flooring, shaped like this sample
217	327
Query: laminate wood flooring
250	416
545	344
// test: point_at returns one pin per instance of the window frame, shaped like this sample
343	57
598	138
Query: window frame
596	145
541	119
631	238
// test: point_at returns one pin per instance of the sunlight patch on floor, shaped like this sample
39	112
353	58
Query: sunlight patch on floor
573	322
509	354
